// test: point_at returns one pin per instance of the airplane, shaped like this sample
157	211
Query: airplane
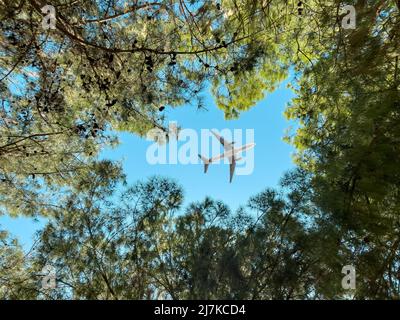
229	152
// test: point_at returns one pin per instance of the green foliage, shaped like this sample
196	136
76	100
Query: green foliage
347	104
140	246
111	67
17	281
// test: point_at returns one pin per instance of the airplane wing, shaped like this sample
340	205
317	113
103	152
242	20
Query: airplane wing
227	145
218	157
232	166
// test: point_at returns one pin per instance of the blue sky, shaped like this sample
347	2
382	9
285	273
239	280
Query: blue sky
272	157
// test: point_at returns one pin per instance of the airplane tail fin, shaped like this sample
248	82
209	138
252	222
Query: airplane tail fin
206	162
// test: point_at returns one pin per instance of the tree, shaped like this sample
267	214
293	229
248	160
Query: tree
107	66
108	242
102	250
16	279
112	66
347	105
137	244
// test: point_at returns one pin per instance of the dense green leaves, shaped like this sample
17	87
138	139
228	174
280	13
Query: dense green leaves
116	66
347	105
113	65
142	246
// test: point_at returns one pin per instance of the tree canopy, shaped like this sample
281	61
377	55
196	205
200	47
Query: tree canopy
110	66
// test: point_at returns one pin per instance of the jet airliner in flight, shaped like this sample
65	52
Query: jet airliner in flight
229	152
